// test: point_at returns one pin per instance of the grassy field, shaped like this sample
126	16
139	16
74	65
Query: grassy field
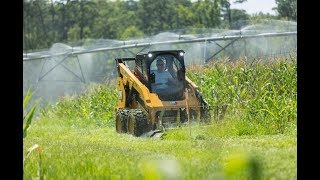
256	139
102	153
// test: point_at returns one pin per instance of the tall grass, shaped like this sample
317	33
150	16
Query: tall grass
95	107
261	96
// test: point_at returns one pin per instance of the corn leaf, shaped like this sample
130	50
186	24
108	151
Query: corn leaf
28	119
26	99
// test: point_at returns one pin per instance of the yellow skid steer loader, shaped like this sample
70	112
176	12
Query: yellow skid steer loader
155	94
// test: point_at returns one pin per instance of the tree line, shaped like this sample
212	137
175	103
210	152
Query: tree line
48	21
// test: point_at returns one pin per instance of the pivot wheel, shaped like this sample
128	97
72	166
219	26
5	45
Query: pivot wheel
122	120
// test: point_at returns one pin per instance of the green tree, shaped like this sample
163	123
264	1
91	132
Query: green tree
48	21
35	29
227	13
131	31
156	16
259	17
113	18
207	13
239	18
87	14
185	16
287	9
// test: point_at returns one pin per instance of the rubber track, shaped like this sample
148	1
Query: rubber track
124	118
140	122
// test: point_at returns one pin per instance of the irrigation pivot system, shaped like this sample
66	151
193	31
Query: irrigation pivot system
65	69
233	38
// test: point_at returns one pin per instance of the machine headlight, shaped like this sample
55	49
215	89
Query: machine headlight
149	55
181	53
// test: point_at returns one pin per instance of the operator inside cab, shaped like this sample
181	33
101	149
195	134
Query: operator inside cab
166	83
162	76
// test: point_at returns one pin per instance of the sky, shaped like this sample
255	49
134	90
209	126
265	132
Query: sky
256	6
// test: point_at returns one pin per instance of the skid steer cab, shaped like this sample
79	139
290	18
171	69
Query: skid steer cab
155	94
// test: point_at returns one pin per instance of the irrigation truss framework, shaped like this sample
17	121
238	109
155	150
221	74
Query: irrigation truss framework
66	70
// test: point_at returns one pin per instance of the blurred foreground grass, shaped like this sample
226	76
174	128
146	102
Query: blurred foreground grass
82	153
